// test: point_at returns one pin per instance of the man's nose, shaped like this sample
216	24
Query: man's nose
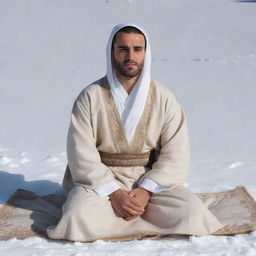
131	54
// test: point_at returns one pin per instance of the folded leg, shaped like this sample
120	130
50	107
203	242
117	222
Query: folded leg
180	211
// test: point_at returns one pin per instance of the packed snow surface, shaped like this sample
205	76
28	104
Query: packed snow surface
204	51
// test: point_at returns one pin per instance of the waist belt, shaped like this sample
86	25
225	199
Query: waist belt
127	160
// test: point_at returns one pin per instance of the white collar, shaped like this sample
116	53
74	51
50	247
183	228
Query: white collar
131	106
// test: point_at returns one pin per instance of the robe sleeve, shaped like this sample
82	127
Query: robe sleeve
83	157
152	186
107	189
172	163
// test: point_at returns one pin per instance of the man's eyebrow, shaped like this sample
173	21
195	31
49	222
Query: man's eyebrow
123	46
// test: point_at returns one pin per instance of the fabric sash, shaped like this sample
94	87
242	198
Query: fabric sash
127	160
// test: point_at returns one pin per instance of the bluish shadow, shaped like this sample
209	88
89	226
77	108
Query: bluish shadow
10	182
43	199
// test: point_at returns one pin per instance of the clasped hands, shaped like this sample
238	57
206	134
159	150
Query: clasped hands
130	205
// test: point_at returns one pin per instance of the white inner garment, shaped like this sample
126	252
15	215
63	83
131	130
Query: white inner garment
130	106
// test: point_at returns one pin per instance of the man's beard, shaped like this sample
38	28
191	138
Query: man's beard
130	73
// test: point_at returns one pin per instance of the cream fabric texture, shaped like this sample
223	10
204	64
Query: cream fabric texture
96	126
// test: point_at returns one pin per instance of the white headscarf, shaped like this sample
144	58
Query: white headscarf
130	106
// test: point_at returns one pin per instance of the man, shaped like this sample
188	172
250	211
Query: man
128	154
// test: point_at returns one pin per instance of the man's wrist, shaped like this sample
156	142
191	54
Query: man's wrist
114	193
149	192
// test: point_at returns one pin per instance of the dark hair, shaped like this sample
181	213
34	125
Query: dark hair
128	30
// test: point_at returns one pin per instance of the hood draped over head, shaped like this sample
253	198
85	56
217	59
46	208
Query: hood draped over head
130	107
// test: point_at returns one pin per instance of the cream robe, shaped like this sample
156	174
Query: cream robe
96	126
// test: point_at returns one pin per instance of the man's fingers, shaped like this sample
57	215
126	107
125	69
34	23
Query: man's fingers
123	213
131	211
119	210
136	208
135	202
132	194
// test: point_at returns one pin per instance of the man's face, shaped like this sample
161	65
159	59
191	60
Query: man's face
128	54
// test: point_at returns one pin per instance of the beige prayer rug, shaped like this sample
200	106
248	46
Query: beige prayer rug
27	214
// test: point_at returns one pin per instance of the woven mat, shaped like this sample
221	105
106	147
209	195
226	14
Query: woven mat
26	214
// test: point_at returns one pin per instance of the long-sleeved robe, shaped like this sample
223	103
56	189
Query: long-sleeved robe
96	126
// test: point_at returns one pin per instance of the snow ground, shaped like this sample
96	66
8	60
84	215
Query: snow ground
207	246
204	51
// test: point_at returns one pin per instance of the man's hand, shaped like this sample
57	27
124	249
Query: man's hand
142	196
125	205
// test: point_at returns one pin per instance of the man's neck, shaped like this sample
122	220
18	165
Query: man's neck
127	82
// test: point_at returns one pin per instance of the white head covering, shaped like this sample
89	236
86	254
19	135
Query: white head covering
131	106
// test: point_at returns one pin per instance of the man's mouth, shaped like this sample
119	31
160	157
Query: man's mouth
130	64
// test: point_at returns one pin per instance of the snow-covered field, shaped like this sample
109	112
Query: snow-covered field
204	51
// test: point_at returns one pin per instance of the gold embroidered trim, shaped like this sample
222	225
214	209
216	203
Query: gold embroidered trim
114	118
124	160
116	124
142	127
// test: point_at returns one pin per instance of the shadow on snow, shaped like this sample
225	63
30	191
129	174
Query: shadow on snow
10	182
